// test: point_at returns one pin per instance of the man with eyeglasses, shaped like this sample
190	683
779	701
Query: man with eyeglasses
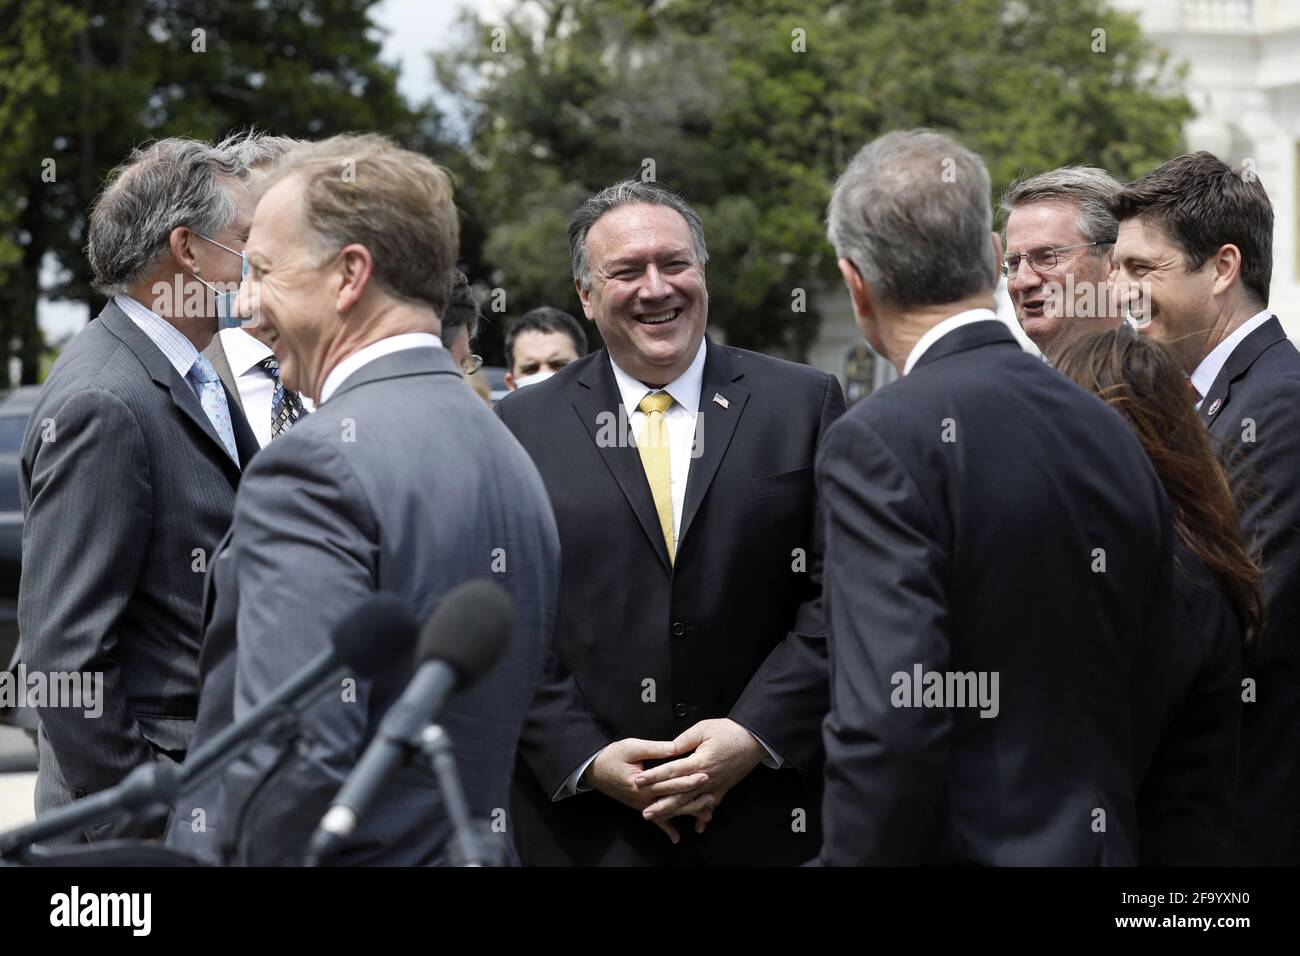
128	473
1059	236
244	362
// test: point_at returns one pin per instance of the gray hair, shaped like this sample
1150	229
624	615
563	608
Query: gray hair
627	193
912	213
174	182
1090	188
259	152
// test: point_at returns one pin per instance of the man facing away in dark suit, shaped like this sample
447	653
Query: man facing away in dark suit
129	468
997	555
1195	255
688	677
401	481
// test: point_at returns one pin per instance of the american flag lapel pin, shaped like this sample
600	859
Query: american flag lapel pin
717	398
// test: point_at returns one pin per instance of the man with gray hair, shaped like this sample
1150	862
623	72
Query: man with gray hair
687	681
243	361
997	550
1060	236
129	468
402	481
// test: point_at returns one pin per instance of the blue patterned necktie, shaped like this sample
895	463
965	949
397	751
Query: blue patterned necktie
203	379
286	406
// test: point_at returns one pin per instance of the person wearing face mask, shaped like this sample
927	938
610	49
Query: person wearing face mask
128	472
542	342
401	481
244	362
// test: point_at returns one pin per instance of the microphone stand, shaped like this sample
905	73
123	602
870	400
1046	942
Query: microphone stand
436	746
159	783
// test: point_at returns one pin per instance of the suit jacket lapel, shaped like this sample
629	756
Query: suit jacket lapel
164	373
599	406
245	441
715	425
1238	363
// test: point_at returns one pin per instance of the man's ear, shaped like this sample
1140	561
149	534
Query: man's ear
357	270
997	256
858	289
1227	268
584	296
181	242
510	382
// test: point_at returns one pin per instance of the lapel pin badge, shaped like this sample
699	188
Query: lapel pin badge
1214	406
717	397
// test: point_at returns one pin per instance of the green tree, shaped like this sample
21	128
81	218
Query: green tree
751	108
85	89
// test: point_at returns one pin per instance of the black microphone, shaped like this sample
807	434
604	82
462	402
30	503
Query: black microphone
462	640
370	642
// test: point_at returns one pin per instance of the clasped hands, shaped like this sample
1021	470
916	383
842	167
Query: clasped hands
714	756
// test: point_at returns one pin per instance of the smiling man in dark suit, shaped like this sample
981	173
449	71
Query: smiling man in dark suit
129	468
688	676
1195	252
997	556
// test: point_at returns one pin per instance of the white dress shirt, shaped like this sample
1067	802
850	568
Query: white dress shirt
680	422
935	333
375	350
256	385
179	350
1205	374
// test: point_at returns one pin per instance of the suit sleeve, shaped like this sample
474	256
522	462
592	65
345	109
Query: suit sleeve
305	545
561	732
1263	473
887	613
89	505
785	701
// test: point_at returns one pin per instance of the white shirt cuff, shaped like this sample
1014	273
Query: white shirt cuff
574	785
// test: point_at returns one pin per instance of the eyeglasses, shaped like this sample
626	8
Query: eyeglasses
1041	260
471	363
243	256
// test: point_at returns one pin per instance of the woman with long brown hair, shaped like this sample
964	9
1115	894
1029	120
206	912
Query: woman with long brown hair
1186	799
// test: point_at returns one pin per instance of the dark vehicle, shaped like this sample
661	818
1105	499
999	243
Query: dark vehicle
15	409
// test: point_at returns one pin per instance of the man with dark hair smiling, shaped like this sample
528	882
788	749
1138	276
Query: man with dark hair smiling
689	631
1197	238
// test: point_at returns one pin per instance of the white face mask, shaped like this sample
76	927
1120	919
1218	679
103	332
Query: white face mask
533	379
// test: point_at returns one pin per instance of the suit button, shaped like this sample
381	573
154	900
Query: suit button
680	710
679	629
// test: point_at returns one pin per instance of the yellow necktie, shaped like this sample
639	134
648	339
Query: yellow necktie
652	444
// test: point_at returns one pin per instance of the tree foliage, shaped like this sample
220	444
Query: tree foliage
750	108
81	89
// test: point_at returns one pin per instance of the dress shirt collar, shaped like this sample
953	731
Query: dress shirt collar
936	332
243	352
375	350
178	349
685	389
1205	374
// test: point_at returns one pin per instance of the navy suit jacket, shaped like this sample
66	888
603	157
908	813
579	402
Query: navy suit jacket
1252	411
985	516
647	648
